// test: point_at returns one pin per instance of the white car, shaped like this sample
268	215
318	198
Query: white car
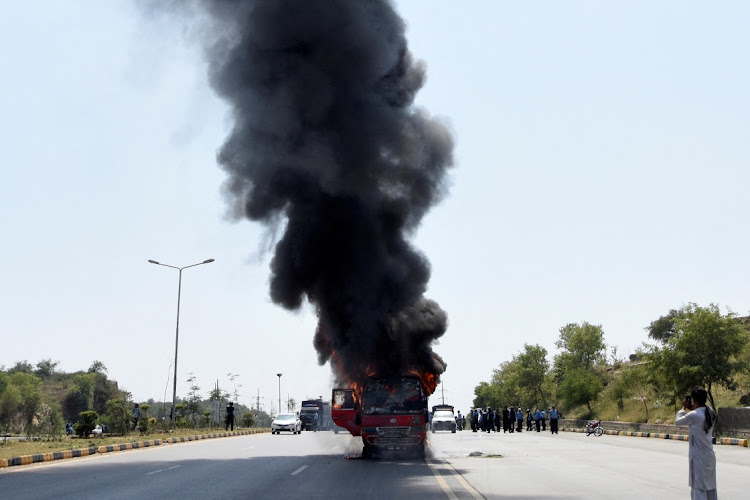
286	422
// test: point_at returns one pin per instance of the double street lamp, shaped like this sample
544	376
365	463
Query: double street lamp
173	416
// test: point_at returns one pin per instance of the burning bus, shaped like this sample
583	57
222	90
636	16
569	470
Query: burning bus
390	413
330	149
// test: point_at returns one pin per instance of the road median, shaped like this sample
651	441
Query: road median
83	452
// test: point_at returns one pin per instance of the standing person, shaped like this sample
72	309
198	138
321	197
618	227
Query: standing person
458	421
701	458
511	419
537	418
544	420
474	420
519	419
463	422
230	416
136	415
553	417
316	422
505	419
528	419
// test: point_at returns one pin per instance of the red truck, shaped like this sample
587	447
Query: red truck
390	413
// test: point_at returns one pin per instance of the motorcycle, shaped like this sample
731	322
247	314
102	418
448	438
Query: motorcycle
594	427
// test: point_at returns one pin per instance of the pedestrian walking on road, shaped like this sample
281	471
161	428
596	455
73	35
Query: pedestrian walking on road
701	458
544	419
537	418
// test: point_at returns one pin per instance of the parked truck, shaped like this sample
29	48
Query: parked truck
312	407
390	413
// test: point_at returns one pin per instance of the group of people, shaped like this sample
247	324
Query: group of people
511	419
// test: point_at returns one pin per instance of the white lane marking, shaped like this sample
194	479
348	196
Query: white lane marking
463	482
457	475
299	470
446	489
162	470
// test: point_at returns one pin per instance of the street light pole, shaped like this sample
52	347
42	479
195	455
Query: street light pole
173	416
279	375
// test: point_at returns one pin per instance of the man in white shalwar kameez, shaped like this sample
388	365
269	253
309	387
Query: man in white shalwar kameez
701	456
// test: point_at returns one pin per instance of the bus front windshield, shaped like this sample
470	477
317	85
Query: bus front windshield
398	396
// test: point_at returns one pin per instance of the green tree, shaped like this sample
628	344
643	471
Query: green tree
97	367
533	368
10	401
262	418
575	368
120	414
248	420
50	419
193	407
46	368
179	411
582	344
581	387
80	397
217	398
483	395
506	380
704	351
663	328
104	390
28	386
21	367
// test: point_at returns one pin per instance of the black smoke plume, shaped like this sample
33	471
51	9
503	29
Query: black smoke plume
326	137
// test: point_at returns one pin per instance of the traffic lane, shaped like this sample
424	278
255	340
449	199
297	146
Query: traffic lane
571	465
187	469
318	465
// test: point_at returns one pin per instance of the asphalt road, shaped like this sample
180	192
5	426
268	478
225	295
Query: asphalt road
327	465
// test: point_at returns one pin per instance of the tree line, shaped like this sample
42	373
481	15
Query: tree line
38	400
691	346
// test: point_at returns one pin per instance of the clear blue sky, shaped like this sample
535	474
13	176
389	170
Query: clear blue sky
601	175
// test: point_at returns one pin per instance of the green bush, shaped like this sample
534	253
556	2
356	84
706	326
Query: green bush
86	423
143	425
248	420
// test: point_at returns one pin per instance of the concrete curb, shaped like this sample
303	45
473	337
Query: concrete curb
128	446
46	457
83	452
661	435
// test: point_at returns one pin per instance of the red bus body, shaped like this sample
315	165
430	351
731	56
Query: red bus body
389	413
